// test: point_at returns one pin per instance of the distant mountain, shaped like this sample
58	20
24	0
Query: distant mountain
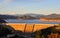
24	17
8	17
30	16
53	16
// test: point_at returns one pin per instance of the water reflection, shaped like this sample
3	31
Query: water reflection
30	21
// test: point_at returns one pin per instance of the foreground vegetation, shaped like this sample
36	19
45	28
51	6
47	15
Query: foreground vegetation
9	32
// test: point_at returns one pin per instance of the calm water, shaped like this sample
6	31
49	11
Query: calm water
30	21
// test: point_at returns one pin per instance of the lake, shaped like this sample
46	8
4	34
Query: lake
30	21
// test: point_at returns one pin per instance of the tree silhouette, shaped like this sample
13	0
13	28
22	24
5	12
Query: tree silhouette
49	31
5	30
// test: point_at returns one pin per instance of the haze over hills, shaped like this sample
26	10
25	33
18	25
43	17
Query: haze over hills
29	16
53	16
25	16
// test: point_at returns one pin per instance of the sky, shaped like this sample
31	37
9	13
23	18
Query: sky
29	6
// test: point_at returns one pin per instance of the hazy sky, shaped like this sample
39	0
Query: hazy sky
29	6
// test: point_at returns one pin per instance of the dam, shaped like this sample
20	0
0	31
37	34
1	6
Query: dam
29	27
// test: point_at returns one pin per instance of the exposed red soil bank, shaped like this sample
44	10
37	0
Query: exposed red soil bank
50	19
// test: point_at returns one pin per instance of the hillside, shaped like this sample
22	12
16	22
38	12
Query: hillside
53	16
8	17
29	16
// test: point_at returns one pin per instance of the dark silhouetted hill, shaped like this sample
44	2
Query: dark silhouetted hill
53	16
29	16
8	17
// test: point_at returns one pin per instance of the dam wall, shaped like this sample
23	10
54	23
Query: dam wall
29	27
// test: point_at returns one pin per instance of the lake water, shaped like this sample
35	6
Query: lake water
30	21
